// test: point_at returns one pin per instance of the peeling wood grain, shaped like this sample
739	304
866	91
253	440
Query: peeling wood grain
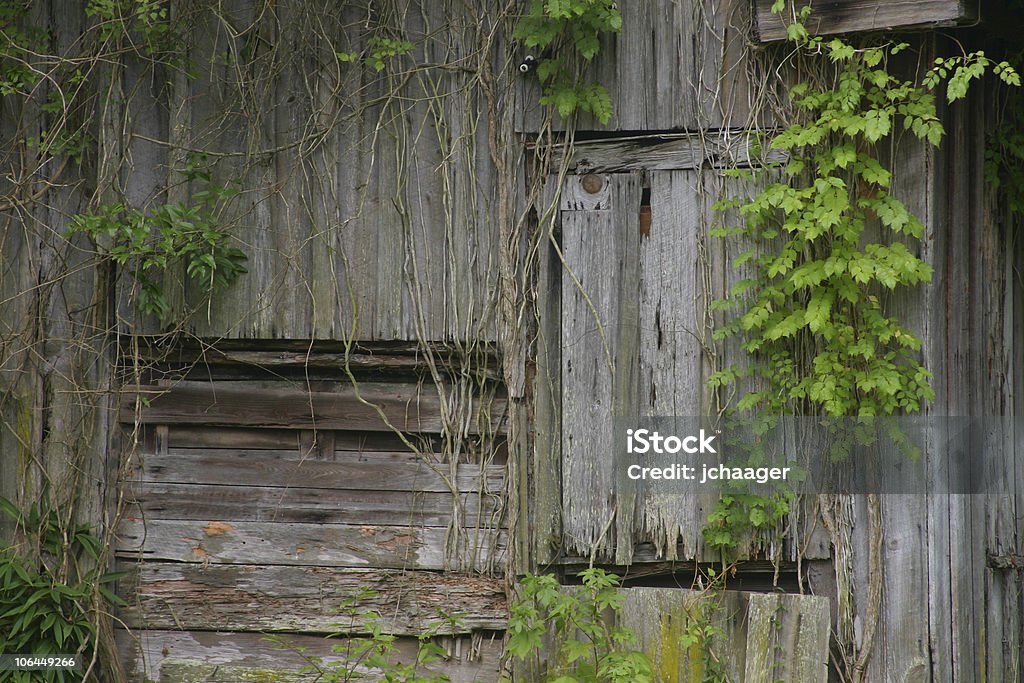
205	657
295	544
391	406
598	301
830	17
156	500
306	599
287	469
663	152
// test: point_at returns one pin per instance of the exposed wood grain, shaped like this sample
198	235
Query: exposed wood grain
294	544
308	599
325	506
851	16
787	638
204	657
287	469
598	284
394	406
662	152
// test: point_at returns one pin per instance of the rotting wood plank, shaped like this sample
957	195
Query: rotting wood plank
347	470
391	406
663	152
600	244
294	544
830	17
198	436
207	657
307	599
310	505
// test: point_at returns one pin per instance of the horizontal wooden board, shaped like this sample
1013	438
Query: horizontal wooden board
307	599
207	657
346	470
315	505
329	545
376	407
198	436
830	17
662	152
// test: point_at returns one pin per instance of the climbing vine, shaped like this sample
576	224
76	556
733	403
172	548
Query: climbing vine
829	245
563	32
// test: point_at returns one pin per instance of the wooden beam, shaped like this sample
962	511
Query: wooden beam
207	657
830	17
664	152
376	407
156	500
346	470
294	544
306	599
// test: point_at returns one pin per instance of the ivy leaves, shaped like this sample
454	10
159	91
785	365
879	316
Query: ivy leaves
562	29
172	233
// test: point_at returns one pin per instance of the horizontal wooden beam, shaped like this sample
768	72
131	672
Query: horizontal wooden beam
155	500
209	657
664	152
344	470
294	544
830	17
375	407
307	599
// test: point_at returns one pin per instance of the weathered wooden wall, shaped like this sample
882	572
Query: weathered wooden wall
262	506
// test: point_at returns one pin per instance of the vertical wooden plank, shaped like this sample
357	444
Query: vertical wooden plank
671	357
546	473
600	239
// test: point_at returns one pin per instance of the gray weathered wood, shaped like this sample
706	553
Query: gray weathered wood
205	657
662	152
309	599
598	295
345	470
757	637
153	500
328	545
382	408
850	16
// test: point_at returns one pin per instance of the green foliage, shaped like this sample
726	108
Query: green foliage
150	243
374	656
566	30
381	51
48	590
142	22
1004	154
812	312
17	45
700	635
575	624
737	517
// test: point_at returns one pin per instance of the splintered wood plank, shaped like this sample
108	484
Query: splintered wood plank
600	240
376	407
830	17
207	657
288	469
308	599
328	545
662	152
313	505
673	270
